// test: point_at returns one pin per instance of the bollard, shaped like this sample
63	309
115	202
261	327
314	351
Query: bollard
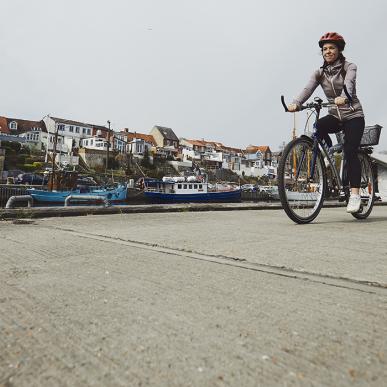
20	198
86	198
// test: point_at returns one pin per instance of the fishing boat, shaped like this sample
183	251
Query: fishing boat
112	194
180	189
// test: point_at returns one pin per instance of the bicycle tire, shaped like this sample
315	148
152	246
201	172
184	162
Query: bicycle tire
367	187
301	198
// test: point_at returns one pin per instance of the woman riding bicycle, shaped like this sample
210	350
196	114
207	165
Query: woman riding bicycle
348	116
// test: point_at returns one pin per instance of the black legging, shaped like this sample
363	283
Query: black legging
353	130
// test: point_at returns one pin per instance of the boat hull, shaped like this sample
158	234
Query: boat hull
51	196
212	197
113	195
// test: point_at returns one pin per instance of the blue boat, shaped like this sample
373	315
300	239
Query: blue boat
41	195
115	194
189	190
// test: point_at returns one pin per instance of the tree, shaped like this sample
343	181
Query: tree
146	160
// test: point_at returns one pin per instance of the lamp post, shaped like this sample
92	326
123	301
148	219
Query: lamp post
107	150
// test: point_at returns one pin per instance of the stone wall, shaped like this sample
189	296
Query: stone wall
93	158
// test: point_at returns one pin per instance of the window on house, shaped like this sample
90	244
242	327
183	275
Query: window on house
71	129
77	129
84	130
13	125
190	186
91	142
179	186
61	127
195	186
89	132
185	186
200	186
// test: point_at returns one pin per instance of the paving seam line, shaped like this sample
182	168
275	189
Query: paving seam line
361	286
36	212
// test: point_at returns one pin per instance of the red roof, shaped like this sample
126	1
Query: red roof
254	149
4	125
146	137
217	145
23	126
197	142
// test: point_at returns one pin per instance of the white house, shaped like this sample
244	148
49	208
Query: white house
208	152
95	142
138	143
70	133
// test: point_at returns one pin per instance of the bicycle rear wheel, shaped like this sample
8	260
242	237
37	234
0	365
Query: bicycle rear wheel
367	187
301	195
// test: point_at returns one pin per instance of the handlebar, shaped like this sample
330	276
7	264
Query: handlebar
284	104
318	102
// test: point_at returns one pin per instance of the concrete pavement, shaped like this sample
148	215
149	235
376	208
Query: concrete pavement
226	298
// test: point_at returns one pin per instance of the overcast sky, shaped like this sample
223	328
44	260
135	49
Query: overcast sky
212	69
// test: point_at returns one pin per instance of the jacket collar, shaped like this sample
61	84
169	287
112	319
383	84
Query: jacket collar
336	65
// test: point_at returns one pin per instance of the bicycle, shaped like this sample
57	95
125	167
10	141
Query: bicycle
302	171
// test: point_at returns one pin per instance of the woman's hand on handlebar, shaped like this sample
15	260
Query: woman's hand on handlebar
340	101
292	107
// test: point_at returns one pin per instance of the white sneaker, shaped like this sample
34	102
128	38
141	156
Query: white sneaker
354	203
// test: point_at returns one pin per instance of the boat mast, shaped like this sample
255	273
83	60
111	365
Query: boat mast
54	156
107	149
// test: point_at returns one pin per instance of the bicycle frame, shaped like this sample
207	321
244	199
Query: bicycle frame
320	145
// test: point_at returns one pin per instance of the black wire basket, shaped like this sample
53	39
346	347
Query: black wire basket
370	136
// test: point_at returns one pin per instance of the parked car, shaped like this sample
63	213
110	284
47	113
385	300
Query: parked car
249	187
14	173
31	178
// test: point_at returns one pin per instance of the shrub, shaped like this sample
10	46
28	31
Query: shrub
28	167
11	147
38	164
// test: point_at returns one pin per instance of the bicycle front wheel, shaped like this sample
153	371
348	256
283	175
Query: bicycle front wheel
301	193
367	187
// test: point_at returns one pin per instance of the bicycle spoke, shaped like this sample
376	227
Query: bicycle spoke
302	194
367	187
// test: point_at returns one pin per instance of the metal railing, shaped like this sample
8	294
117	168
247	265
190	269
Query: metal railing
8	190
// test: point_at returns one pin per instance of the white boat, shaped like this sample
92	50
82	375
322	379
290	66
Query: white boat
295	195
181	189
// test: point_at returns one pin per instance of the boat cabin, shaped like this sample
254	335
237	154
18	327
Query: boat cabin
179	185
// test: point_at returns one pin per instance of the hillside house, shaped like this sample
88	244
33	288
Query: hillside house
33	133
167	143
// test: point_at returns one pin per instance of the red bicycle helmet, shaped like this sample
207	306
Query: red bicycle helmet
332	37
